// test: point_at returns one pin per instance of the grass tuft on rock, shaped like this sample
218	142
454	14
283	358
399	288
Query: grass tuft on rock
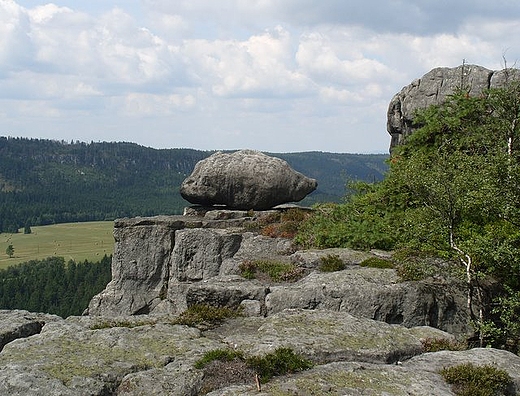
223	367
443	344
331	263
470	380
205	316
272	270
377	262
282	361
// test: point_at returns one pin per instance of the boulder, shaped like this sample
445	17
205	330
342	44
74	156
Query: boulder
433	88
325	336
21	324
245	180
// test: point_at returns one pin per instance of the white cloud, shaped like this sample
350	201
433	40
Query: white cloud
282	75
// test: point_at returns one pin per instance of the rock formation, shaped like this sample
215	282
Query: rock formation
245	180
433	88
164	264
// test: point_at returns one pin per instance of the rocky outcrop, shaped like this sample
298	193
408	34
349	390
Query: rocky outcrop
433	88
163	265
21	324
148	355
246	180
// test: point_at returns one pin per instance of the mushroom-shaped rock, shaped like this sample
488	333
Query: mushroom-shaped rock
245	180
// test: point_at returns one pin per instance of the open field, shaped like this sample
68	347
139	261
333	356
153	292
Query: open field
76	241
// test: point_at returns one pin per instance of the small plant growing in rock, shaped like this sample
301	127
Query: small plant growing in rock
470	380
377	262
443	344
284	224
225	355
331	263
108	324
273	270
281	361
223	367
205	316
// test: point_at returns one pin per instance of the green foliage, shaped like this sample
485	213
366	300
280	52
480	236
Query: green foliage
273	270
471	380
331	263
281	361
284	224
205	316
452	191
9	250
415	264
442	344
504	331
377	262
226	355
108	324
53	286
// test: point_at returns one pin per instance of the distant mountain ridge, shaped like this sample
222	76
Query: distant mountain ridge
47	181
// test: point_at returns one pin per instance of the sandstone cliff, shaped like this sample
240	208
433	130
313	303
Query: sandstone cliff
433	88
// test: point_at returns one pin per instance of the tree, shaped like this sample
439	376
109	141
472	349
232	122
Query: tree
452	190
27	228
9	251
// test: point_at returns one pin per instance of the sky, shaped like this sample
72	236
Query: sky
269	75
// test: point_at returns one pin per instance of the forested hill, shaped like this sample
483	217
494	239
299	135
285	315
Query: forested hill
45	181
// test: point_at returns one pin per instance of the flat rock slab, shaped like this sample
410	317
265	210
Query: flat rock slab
376	294
327	336
347	378
90	362
434	362
418	376
20	324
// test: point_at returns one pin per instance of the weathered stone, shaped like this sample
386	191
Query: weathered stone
377	294
245	180
139	266
20	324
228	292
68	359
326	336
434	362
347	378
433	88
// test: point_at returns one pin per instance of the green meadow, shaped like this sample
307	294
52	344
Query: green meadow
73	241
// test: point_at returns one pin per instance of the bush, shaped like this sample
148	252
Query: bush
281	361
442	344
276	271
376	262
225	355
205	316
471	380
331	263
223	367
284	224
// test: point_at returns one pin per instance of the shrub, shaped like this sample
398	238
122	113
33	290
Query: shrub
471	380
442	344
205	316
276	271
331	263
225	355
281	361
377	262
284	224
223	367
